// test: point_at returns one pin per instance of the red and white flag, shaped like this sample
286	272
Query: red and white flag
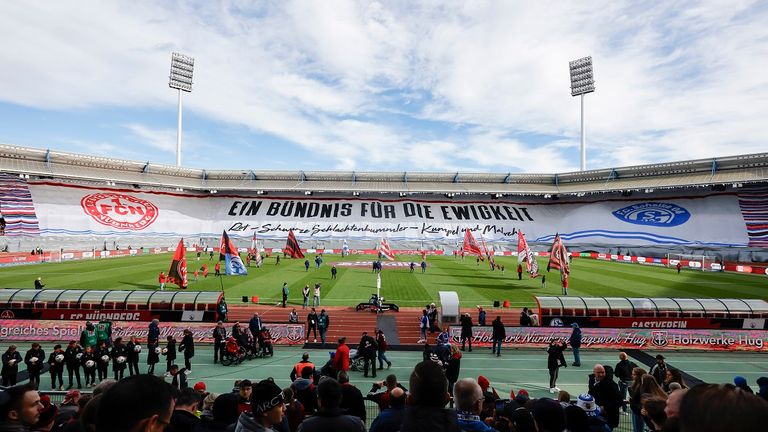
177	274
524	254
385	250
558	257
486	251
470	244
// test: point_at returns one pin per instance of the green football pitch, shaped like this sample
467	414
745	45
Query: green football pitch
475	284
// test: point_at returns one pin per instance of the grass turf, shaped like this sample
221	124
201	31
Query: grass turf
475	284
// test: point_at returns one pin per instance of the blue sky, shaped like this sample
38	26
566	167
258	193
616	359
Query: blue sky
477	86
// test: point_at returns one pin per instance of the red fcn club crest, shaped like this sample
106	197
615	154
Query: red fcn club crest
120	211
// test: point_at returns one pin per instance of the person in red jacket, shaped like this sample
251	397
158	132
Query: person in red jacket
381	341
217	269
161	279
341	359
204	268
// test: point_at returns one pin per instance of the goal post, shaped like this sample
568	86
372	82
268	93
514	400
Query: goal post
695	262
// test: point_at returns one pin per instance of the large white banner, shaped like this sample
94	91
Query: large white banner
707	220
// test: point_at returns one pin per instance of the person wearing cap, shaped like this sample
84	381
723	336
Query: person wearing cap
69	407
72	356
330	417
323	322
575	342
659	370
10	359
20	407
298	367
200	388
595	420
34	368
183	418
267	409
244	391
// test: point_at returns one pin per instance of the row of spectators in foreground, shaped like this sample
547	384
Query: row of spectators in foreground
147	403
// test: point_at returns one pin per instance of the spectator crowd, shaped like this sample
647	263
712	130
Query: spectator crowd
435	398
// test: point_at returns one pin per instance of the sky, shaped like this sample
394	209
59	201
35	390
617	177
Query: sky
465	86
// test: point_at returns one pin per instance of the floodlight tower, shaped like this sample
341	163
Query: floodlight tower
181	80
582	82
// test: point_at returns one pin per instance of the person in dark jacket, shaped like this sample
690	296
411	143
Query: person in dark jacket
429	394
187	345
34	359
659	370
178	377
606	393
304	391
555	360
219	341
575	342
102	363
624	376
330	416
498	336
311	324
367	349
454	368
381	341
10	359
153	342
391	418
119	356
351	398
56	363
72	356
169	352
466	331
525	319
89	369
134	348
183	418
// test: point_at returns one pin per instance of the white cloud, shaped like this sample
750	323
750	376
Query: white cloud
429	86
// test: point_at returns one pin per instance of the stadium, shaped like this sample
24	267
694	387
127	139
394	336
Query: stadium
383	219
97	231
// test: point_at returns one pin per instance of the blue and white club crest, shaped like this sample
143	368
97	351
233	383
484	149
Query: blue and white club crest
653	214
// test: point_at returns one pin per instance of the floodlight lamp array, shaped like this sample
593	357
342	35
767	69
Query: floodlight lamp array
182	67
582	76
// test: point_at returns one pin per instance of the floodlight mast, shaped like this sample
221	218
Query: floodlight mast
582	82
180	79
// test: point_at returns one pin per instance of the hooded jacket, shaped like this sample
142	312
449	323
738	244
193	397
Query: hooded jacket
246	423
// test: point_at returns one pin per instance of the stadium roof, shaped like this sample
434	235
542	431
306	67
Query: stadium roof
79	168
